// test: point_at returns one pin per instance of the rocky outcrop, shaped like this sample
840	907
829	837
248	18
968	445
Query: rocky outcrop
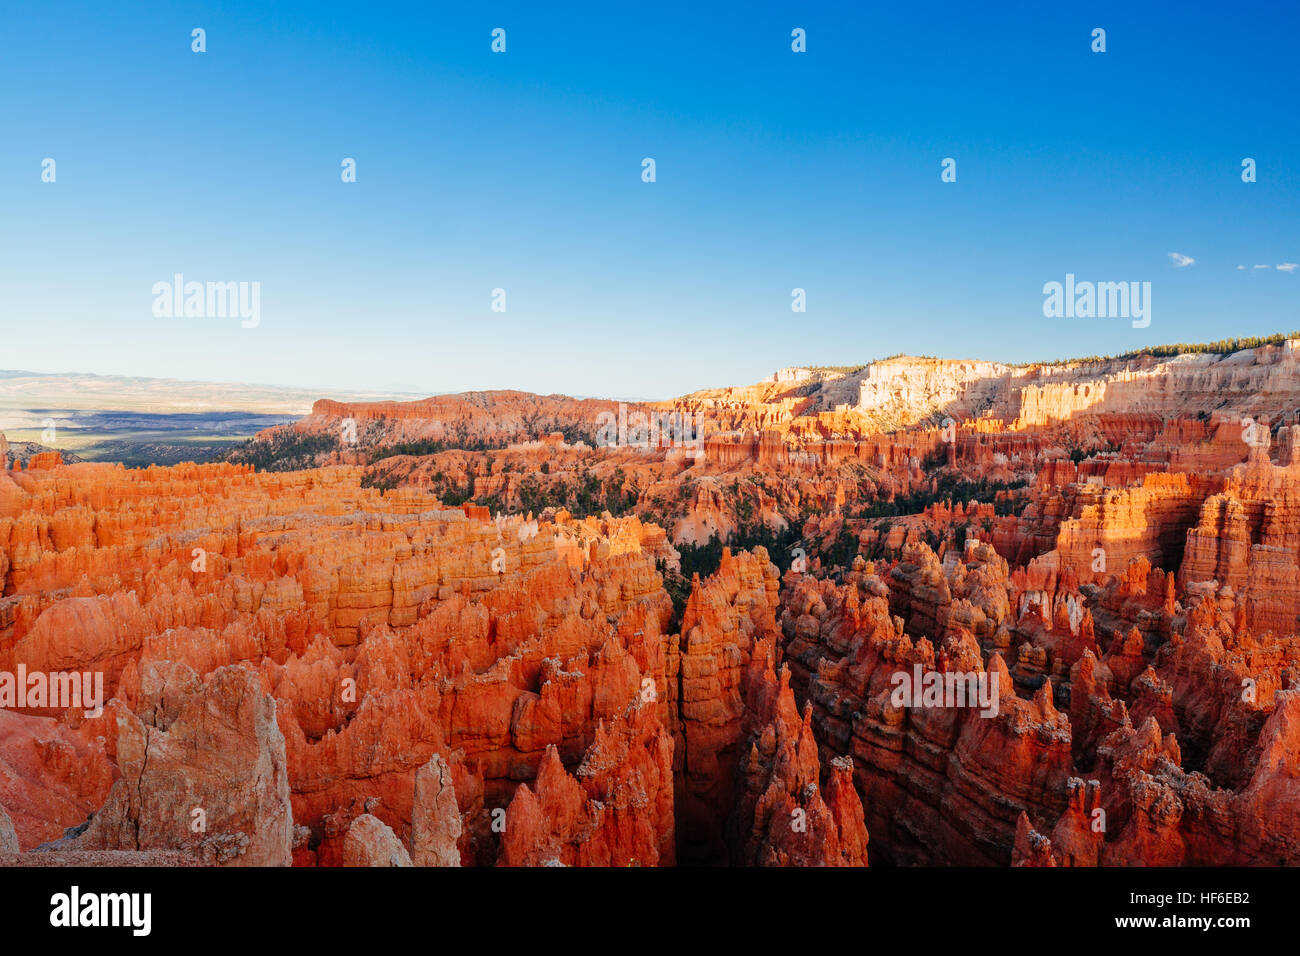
927	770
435	816
8	837
722	620
410	662
780	816
615	810
204	770
1050	619
371	843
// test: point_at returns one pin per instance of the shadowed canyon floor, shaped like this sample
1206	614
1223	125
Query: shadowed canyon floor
487	629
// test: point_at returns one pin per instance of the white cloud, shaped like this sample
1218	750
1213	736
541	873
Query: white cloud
1263	267
1181	261
1241	267
1289	267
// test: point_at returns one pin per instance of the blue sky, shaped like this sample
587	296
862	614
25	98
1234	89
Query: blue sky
522	171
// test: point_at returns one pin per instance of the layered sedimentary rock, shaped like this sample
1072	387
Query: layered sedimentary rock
723	619
615	809
334	643
1064	789
780	816
464	420
1051	619
883	421
1252	382
202	769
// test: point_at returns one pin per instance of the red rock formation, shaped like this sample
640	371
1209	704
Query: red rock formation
501	682
202	769
780	817
435	816
384	635
371	843
615	810
722	620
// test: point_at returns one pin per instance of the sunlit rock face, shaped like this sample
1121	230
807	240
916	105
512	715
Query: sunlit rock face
337	665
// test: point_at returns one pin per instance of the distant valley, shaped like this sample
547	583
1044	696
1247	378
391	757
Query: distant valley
143	421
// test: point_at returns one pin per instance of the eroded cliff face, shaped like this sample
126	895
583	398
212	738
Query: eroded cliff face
345	639
902	391
1088	758
397	682
821	440
722	624
464	420
378	668
785	810
335	666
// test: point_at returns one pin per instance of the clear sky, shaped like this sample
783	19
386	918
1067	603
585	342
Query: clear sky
523	171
